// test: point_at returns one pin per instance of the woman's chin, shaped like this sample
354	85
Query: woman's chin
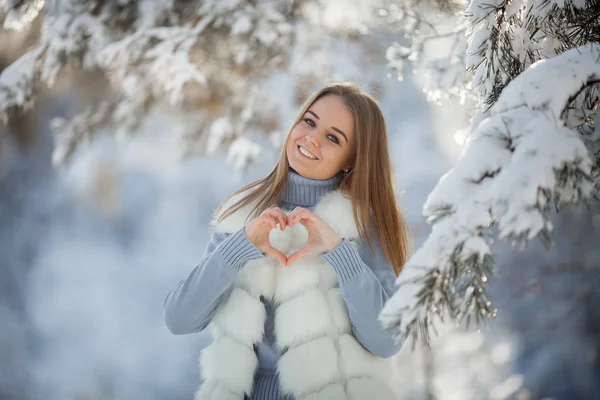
307	171
301	170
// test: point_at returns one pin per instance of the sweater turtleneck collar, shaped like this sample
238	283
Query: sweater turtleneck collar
306	192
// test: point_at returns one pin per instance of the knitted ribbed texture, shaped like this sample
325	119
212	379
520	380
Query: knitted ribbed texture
266	387
189	307
305	192
345	261
237	250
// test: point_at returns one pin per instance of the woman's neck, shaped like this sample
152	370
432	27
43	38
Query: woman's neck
306	192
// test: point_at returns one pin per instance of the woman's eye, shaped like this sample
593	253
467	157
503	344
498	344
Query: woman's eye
333	138
309	122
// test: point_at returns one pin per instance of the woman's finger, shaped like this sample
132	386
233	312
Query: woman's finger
290	217
298	213
281	217
295	212
273	252
274	215
270	220
305	219
297	255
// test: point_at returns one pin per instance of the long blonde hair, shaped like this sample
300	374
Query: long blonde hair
369	184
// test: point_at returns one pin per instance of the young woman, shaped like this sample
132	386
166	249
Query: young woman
301	263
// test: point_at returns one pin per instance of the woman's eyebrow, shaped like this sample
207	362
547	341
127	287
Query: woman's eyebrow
333	127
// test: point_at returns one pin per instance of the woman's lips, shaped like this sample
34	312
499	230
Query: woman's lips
308	158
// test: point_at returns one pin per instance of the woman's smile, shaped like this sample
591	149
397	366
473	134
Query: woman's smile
323	135
307	154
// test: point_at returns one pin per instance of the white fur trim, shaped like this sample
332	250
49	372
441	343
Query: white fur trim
309	367
336	210
303	318
368	389
230	364
205	391
299	236
221	393
339	312
331	392
310	306
242	317
329	278
258	277
358	362
296	279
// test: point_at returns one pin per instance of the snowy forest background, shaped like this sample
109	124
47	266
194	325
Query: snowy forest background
127	122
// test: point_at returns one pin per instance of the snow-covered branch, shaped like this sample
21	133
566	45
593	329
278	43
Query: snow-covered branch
205	56
520	160
18	83
438	26
488	43
17	15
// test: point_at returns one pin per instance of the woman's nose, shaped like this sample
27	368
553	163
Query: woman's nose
313	139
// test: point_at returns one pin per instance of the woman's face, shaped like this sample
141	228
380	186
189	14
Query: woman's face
321	143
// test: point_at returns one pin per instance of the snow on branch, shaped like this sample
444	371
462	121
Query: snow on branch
70	133
154	61
426	25
478	47
18	83
519	161
201	55
19	14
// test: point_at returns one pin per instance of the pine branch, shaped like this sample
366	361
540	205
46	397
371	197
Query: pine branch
195	55
520	161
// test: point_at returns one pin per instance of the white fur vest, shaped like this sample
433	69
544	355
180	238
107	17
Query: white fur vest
321	359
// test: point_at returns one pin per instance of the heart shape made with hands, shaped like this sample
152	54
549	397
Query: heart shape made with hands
286	241
317	236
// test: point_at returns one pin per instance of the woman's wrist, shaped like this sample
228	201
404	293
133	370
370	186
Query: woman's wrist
332	244
346	261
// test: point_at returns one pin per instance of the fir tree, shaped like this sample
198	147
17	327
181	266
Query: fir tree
203	56
532	68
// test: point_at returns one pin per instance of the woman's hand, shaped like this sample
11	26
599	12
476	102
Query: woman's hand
321	238
258	231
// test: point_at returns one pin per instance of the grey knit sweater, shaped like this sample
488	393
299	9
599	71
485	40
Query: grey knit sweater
366	282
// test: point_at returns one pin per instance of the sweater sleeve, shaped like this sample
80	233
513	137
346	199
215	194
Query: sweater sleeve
366	286
189	307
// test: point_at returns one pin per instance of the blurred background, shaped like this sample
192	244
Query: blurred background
105	202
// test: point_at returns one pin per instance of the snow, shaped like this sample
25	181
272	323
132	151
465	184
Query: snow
506	388
540	8
572	69
477	43
512	154
242	25
166	63
147	60
479	10
21	14
137	205
243	152
521	43
220	130
150	12
16	83
513	8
